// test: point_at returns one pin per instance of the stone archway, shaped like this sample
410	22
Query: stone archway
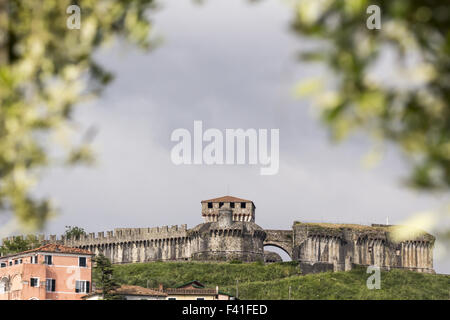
275	253
281	239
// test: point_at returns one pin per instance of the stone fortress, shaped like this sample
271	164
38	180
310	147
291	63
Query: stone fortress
229	232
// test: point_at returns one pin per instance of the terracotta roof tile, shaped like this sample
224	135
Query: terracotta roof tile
183	291
138	291
191	284
227	199
53	248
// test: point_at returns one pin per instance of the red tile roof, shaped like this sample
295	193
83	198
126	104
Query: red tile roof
191	284
53	248
138	291
227	199
130	290
182	291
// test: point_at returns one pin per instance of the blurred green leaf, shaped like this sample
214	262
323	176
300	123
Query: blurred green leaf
46	70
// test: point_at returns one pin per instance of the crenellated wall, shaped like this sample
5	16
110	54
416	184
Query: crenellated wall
131	245
345	245
317	246
208	241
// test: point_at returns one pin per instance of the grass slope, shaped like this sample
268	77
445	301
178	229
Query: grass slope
258	281
172	274
395	284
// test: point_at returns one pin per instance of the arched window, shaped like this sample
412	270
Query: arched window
4	285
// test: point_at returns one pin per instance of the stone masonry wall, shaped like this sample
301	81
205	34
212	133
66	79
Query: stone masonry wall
343	246
310	244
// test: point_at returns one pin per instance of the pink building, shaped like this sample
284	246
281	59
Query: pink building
50	272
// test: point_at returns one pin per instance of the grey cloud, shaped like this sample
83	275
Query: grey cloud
231	65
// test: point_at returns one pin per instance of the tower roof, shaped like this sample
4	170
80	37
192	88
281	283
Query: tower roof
227	199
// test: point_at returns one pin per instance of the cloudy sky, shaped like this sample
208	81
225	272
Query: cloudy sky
232	65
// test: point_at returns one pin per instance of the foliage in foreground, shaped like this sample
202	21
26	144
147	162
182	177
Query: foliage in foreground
46	69
406	103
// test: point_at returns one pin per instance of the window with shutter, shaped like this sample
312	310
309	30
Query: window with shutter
82	286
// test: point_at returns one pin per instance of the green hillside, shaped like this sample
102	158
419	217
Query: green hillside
211	274
272	281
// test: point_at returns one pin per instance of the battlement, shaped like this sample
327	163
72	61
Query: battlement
352	232
118	235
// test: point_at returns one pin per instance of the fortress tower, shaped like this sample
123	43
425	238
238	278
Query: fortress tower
227	239
242	210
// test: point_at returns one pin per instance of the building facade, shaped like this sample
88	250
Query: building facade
50	272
